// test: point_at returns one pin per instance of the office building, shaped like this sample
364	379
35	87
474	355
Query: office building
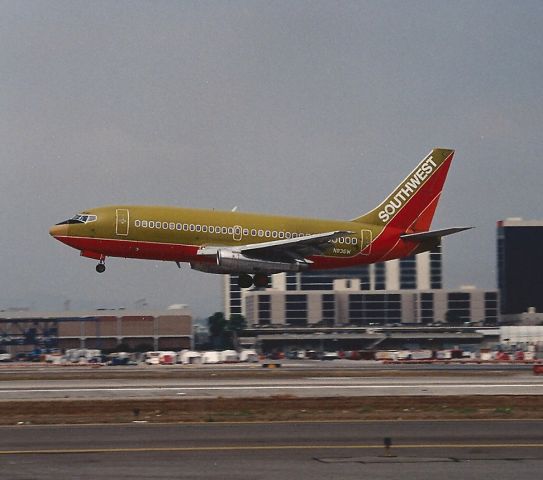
520	266
343	307
422	271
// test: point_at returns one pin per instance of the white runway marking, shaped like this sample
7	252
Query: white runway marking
274	387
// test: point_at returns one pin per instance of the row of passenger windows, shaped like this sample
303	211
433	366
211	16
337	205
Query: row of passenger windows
237	231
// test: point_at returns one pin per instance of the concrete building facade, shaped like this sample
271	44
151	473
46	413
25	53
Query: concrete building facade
405	291
100	329
344	307
422	272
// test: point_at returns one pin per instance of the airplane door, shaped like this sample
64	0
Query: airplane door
238	233
365	242
122	222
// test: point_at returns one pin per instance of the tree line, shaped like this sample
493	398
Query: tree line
225	333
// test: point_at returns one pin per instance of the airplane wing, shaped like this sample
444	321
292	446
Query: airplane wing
432	234
289	250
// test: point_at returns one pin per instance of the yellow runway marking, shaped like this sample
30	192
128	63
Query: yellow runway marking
265	447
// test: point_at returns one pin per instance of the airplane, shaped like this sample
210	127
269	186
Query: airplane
254	246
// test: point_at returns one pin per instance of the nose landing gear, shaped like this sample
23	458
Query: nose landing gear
101	267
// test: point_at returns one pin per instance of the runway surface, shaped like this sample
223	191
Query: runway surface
346	450
305	385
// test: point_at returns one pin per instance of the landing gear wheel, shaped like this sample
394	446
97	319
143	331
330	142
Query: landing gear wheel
100	268
261	280
245	281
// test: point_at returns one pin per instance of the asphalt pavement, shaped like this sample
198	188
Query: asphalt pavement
520	382
313	450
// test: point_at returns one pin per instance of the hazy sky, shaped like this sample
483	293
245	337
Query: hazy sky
313	108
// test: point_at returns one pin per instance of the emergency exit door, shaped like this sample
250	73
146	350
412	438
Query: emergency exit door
122	222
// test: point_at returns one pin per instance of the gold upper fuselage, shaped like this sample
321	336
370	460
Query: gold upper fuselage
199	227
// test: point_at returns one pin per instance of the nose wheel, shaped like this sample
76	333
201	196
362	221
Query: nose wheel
101	267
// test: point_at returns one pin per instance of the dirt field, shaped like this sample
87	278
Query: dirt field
82	373
282	408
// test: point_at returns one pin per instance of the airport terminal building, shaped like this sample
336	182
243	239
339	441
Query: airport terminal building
98	329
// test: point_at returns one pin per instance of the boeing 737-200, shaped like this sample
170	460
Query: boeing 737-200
254	246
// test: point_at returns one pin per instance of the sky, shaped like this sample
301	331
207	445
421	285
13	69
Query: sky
311	108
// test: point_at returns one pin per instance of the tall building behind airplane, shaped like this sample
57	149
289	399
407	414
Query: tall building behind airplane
422	272
520	265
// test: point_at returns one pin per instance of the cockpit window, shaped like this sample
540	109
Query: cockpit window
79	218
84	218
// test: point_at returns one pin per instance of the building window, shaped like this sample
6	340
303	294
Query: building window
375	309
427	308
491	308
436	272
380	276
296	310
458	307
264	308
408	273
329	308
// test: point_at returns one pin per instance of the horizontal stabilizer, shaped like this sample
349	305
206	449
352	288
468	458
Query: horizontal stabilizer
432	234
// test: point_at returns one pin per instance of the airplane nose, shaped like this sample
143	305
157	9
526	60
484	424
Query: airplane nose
58	230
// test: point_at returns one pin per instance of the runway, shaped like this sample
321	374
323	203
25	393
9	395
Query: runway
347	450
305	385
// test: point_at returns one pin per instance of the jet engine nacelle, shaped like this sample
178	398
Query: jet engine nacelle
237	262
227	260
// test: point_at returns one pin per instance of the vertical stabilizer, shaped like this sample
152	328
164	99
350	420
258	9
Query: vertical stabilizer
411	206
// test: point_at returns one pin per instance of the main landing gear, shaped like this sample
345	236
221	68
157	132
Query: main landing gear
260	280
